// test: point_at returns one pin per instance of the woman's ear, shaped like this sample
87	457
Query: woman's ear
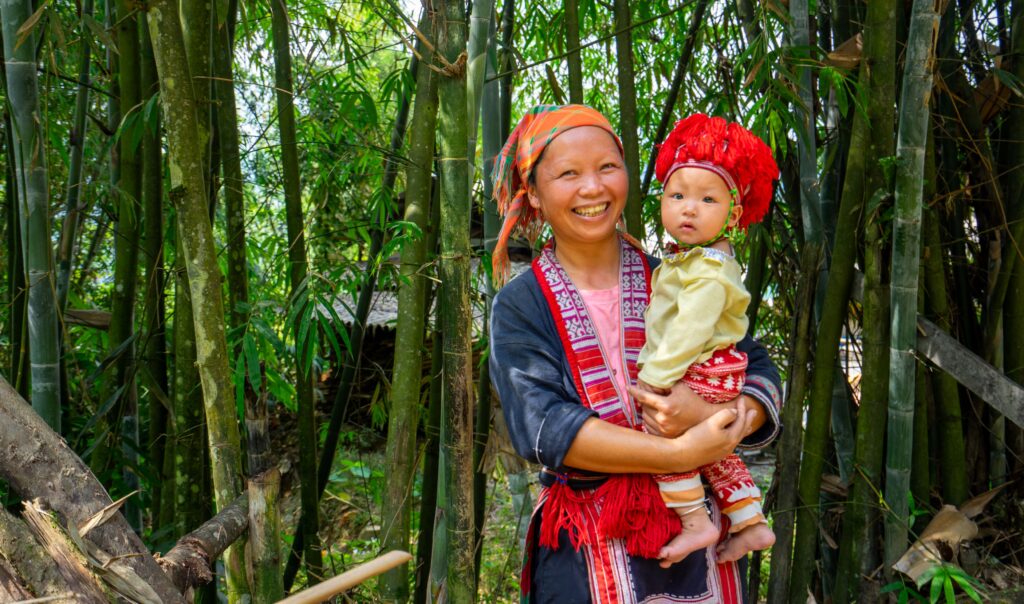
734	217
531	196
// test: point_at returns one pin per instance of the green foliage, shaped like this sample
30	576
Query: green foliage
942	581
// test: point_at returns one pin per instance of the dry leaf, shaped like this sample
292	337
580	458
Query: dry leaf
103	515
847	55
974	506
950	527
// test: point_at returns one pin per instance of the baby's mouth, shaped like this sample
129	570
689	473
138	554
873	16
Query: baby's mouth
590	211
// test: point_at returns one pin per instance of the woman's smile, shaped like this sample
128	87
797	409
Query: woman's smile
592	211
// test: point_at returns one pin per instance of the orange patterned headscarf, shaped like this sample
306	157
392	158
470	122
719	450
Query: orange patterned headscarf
516	162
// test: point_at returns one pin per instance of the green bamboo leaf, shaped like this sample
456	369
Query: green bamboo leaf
252	360
104	408
238	377
936	590
26	28
99	31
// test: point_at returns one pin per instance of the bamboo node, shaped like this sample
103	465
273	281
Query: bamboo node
456	69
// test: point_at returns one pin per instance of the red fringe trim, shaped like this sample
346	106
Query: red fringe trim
564	509
632	509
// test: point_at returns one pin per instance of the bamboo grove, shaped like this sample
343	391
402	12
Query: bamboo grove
246	255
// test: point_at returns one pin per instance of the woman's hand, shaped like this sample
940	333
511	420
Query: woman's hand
715	437
672	414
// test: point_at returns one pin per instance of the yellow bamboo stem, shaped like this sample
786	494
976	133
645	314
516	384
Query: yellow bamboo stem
348	580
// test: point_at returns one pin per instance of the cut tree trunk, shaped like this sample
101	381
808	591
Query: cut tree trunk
38	464
29	561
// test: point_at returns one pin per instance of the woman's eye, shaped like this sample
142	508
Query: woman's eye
567	173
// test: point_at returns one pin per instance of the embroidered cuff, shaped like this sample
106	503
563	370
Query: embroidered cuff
765	391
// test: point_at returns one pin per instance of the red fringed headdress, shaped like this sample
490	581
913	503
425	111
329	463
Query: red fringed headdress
514	165
728	149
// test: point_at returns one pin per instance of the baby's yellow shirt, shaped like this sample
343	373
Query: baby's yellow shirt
698	305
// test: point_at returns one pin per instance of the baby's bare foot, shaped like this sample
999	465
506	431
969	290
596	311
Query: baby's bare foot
698	533
756	537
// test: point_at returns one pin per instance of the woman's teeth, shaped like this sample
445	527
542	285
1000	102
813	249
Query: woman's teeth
591	210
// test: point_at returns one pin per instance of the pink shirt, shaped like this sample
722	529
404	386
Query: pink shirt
603	306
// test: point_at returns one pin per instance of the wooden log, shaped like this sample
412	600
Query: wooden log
70	561
37	463
29	563
349	579
11	589
88	317
189	561
949	355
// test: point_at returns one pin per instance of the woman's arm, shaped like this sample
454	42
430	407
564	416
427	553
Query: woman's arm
674	413
603	447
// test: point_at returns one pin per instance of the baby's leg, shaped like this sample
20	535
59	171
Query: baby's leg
684	493
740	500
698	533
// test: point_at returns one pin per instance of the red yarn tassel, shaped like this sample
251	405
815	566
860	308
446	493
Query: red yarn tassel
632	509
562	510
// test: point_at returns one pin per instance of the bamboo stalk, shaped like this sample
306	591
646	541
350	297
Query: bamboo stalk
188	193
431	469
493	137
33	201
76	144
788	461
910	149
154	340
856	554
572	46
298	272
406	384
349	579
231	167
628	116
456	318
806	139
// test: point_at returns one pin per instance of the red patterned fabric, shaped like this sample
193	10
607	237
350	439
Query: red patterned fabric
633	509
719	379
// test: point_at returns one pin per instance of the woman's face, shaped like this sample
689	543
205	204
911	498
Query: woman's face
581	186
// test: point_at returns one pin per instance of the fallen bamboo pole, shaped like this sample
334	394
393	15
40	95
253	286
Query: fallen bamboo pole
349	579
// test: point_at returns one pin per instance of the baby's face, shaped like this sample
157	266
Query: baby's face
696	205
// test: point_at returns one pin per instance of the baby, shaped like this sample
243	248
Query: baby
717	176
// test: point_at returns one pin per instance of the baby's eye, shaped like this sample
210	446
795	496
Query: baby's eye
710	199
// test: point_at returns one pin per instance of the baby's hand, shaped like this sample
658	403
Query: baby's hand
654	389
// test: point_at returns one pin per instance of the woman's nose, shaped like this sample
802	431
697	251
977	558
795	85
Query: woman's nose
590	183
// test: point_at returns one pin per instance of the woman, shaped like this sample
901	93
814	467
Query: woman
564	342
